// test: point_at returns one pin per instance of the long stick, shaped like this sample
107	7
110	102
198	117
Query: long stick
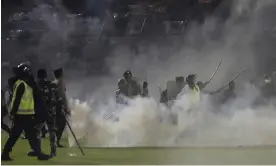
215	71
229	81
74	136
113	113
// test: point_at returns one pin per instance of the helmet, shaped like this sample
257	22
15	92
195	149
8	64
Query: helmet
41	73
191	77
23	70
127	73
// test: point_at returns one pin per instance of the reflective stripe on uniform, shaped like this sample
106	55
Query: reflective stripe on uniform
26	106
195	94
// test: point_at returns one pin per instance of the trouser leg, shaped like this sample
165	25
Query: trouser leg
61	124
32	135
16	130
51	124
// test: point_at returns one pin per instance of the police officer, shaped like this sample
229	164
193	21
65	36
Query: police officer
48	92
192	89
62	109
121	92
133	87
23	113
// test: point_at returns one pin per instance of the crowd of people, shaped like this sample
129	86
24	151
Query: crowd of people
129	88
34	104
37	106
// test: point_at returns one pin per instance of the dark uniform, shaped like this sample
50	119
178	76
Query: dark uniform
62	109
23	114
49	94
129	87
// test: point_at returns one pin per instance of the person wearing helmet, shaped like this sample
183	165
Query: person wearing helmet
62	109
23	113
133	88
121	91
191	89
48	92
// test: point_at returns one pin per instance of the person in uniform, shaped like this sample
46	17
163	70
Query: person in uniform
62	109
23	114
133	88
48	92
192	89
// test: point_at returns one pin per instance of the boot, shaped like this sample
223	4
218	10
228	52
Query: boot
53	152
59	145
5	157
32	153
43	156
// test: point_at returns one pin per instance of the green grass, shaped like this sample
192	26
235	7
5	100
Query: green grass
124	156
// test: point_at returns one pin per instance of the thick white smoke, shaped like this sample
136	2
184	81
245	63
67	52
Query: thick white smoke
147	123
243	40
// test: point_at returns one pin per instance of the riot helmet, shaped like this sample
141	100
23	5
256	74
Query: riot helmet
127	75
23	70
191	79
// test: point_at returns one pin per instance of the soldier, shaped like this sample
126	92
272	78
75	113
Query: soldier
133	88
62	109
23	113
48	92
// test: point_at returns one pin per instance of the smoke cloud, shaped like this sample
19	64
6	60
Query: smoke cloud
246	38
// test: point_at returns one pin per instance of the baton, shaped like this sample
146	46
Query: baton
73	134
230	81
215	71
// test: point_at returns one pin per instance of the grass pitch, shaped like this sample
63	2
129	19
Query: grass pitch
122	156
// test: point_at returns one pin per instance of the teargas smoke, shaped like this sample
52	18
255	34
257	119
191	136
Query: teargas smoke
146	122
244	39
